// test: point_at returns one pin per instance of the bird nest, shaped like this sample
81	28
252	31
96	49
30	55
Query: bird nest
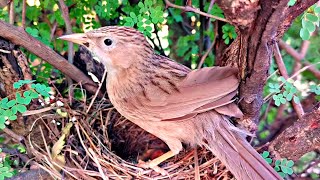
101	144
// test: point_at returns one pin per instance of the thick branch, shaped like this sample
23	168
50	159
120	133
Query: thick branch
302	137
19	37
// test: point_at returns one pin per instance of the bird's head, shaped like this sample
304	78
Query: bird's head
115	46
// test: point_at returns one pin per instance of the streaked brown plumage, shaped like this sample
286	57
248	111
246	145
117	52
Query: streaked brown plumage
171	101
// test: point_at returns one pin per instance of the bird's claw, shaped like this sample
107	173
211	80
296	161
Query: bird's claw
147	165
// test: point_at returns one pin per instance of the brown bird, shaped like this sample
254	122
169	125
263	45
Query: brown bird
173	102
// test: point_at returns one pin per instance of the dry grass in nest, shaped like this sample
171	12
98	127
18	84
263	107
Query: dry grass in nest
103	145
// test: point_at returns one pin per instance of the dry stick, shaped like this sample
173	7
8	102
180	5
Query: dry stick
95	159
65	13
191	9
298	56
11	12
98	90
283	71
207	53
196	164
13	134
24	8
19	37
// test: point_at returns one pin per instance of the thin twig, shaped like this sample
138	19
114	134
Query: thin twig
24	8
203	58
191	9
291	77
11	12
98	90
13	134
196	164
299	56
65	13
283	71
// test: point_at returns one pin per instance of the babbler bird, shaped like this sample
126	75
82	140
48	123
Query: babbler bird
173	102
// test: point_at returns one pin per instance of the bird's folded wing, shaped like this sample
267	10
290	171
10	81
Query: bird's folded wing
200	91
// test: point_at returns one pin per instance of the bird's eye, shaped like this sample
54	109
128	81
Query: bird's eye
108	42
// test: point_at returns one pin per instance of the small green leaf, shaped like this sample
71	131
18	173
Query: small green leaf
11	103
283	175
277	168
289	97
265	154
269	160
27	100
291	2
21	108
296	99
34	95
304	34
289	171
27	93
13	117
8	113
290	163
317	9
277	163
312	18
284	162
308	25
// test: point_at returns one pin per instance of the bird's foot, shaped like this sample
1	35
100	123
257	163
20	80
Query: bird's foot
151	165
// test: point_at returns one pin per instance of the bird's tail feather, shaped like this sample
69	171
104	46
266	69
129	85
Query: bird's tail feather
236	153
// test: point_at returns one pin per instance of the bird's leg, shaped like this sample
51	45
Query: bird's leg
153	164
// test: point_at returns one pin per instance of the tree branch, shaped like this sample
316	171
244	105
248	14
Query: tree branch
19	37
299	56
302	137
191	9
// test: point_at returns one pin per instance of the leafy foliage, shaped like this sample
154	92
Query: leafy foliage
228	33
10	108
283	166
287	94
310	20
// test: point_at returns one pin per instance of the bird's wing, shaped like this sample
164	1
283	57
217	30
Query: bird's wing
200	91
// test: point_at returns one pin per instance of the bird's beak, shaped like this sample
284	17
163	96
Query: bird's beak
79	38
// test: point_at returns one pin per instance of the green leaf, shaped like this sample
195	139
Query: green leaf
277	168
27	100
269	160
290	163
312	18
20	100
11	103
317	9
289	97
2	119
33	95
304	34
21	108
289	171
13	117
308	25
291	2
284	162
265	154
8	113
277	163
296	99
14	109
27	93
283	175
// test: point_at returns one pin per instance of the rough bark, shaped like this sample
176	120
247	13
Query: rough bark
303	136
259	27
